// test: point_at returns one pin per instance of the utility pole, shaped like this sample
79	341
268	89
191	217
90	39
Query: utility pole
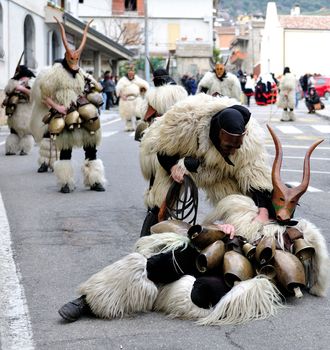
146	42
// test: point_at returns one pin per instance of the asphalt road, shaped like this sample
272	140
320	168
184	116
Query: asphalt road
56	241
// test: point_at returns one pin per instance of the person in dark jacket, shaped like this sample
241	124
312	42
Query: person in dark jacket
313	101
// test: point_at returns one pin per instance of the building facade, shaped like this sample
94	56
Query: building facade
296	41
29	26
184	28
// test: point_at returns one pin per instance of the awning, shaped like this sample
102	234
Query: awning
96	41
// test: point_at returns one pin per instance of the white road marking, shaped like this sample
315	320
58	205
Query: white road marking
289	129
15	326
297	146
2	143
309	189
312	172
109	133
111	122
325	129
312	158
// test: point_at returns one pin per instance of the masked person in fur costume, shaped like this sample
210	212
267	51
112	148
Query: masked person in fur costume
158	99
69	102
18	108
130	89
213	140
177	270
287	95
219	82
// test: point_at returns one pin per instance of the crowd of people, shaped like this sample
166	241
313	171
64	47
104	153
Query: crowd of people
198	131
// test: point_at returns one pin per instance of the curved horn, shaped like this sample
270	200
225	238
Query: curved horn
83	42
168	64
64	39
300	189
151	66
212	63
276	170
19	63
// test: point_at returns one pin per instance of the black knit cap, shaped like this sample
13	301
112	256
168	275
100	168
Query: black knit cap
232	119
161	77
23	71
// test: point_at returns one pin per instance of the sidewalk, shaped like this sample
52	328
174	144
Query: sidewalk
325	113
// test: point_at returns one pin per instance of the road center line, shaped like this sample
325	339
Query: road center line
15	326
111	122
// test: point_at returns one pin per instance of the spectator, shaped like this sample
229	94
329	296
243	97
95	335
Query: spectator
313	101
109	90
191	85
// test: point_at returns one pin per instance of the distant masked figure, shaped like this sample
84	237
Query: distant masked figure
18	109
219	82
130	89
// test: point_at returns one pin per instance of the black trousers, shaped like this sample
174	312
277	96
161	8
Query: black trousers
90	153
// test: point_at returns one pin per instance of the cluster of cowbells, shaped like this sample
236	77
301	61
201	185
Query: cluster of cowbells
85	114
239	260
11	102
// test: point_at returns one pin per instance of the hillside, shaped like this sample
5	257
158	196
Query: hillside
239	7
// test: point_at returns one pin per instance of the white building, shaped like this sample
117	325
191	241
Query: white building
29	26
296	41
183	27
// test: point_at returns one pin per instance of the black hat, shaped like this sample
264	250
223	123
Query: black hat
23	71
232	119
286	70
161	77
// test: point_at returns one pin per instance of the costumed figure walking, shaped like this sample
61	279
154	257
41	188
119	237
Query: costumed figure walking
220	82
130	89
18	108
158	99
68	101
287	95
216	273
213	140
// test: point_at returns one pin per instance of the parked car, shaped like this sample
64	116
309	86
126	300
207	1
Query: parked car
322	86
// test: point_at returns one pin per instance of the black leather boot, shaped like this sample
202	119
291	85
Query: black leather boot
74	309
150	220
65	189
43	168
97	187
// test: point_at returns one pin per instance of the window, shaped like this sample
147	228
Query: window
29	43
2	52
130	5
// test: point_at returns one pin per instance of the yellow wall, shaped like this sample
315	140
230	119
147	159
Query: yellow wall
173	35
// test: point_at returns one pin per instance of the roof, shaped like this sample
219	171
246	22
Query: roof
116	49
305	22
96	40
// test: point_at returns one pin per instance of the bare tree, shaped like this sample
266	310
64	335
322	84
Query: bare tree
124	33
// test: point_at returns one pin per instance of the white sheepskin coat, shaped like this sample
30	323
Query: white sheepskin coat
161	98
184	131
287	91
58	84
130	96
241	212
229	86
20	120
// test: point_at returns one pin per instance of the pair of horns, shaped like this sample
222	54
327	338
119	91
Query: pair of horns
65	41
167	65
213	63
276	170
